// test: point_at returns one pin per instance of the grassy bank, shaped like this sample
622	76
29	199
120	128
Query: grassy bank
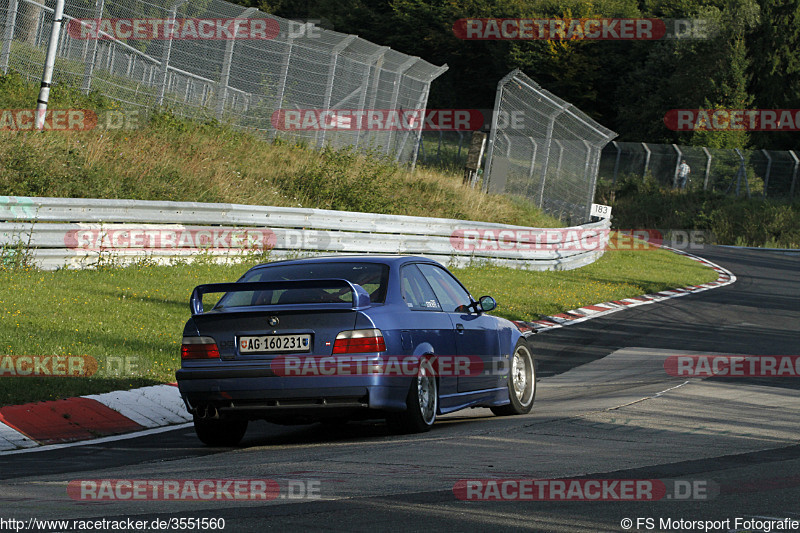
773	223
130	319
167	158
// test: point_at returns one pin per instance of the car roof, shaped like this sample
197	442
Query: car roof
390	260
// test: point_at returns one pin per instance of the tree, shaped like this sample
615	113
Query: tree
775	68
691	74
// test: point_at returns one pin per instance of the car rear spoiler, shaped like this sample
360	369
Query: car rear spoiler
360	295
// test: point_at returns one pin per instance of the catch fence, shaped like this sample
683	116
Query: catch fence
767	173
544	149
234	75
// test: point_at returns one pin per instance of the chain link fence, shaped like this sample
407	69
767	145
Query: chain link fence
544	149
240	81
767	173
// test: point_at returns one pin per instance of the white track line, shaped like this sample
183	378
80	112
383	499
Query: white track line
102	440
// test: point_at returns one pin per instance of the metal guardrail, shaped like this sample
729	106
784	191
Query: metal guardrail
80	233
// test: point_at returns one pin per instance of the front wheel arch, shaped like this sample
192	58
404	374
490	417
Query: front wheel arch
521	381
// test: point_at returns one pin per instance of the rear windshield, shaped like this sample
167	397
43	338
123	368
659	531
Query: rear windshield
373	277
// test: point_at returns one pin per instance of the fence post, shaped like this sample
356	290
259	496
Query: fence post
598	155
769	170
284	75
474	161
396	94
646	161
63	43
362	97
8	35
708	168
533	165
423	104
677	165
742	172
111	52
560	156
498	98
794	173
167	51
616	163
344	43
548	142
49	63
590	176
225	76
375	77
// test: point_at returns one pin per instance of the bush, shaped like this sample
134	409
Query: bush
732	220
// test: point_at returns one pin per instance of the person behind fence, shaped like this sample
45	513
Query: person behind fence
683	174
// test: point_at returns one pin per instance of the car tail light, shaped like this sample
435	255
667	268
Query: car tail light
199	348
359	341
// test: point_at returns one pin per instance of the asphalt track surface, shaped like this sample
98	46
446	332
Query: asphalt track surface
605	410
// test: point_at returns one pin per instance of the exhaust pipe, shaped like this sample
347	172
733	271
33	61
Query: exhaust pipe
207	411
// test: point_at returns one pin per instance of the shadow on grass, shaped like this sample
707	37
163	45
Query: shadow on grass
19	390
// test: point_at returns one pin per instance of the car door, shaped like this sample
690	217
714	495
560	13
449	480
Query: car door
426	322
476	333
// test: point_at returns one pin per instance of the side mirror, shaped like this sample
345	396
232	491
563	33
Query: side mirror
487	303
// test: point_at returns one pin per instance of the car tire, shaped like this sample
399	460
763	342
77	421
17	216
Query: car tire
521	382
422	403
220	432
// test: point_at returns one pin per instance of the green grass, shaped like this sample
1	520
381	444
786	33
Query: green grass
618	274
135	315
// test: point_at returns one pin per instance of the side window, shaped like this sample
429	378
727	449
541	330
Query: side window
416	291
452	296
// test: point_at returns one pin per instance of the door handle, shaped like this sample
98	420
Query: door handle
460	328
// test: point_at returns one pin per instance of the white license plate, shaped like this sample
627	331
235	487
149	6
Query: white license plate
275	343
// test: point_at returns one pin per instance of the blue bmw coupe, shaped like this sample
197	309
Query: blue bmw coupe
331	339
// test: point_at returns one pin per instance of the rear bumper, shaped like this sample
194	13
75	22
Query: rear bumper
258	393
